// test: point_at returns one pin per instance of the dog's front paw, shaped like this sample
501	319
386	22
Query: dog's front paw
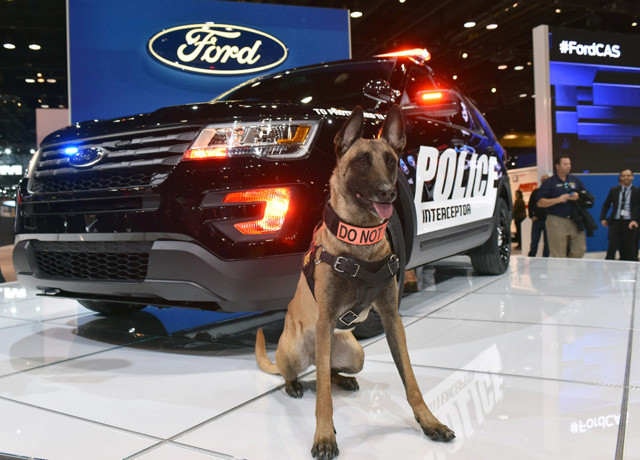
294	389
325	449
438	431
344	382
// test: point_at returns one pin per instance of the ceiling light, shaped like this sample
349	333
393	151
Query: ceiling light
465	55
522	95
34	46
40	80
633	24
455	77
492	26
51	80
38	74
9	46
502	67
558	10
469	24
515	4
29	80
518	67
402	1
356	14
494	89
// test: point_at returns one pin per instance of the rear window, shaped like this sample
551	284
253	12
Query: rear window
338	84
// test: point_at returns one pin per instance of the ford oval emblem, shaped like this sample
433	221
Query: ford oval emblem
84	158
220	49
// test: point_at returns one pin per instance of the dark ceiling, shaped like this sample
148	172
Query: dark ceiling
386	25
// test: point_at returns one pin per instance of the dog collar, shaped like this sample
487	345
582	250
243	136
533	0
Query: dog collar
350	233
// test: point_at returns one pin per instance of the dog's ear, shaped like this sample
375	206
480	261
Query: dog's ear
393	129
351	131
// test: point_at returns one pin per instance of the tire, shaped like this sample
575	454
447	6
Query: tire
492	258
372	326
111	308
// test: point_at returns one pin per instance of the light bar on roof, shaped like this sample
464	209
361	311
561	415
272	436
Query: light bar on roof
416	52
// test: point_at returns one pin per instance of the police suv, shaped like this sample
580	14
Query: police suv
212	205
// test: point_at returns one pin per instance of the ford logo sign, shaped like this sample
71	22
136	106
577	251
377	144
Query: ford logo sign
219	49
84	158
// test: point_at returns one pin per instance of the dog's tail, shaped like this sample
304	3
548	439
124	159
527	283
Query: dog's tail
261	355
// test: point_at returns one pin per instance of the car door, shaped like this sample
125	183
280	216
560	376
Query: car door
449	165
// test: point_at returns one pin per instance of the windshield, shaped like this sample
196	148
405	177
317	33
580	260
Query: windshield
337	84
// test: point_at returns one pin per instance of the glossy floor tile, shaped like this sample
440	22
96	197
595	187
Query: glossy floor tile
541	362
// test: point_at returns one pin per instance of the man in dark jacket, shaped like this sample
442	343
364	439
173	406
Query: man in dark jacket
624	202
538	216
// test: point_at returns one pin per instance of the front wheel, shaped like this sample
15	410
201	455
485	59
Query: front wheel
372	326
492	258
111	308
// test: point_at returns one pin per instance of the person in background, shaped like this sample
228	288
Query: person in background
538	216
519	214
555	195
624	202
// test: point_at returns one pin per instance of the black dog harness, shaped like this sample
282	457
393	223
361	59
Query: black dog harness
368	277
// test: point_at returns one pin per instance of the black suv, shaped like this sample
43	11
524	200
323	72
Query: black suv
212	205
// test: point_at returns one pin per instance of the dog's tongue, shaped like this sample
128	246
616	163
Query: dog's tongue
384	210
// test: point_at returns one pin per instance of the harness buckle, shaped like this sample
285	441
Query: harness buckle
349	318
342	260
394	260
317	260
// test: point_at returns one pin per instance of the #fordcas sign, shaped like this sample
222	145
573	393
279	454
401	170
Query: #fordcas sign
220	49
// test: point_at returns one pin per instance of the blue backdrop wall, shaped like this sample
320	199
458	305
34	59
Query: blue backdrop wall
113	73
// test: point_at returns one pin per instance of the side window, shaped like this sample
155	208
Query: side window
467	117
419	80
479	123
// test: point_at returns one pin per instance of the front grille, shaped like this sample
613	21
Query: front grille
90	260
137	159
83	181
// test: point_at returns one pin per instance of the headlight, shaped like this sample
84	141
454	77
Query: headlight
266	139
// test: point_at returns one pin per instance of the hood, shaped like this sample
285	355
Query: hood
187	115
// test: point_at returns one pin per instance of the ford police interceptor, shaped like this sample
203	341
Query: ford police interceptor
212	205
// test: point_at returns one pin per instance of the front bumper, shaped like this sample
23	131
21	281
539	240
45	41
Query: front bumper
177	271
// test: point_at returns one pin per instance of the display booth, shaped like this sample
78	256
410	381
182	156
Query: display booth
587	87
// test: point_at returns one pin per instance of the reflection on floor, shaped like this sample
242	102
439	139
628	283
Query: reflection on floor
536	363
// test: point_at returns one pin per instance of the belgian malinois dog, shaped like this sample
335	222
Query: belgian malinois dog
349	270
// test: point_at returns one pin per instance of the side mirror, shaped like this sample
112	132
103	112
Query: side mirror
438	103
381	91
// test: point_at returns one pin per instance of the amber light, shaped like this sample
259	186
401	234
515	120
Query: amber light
277	203
203	153
299	136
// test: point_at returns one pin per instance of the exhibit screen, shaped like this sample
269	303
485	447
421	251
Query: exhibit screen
595	92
